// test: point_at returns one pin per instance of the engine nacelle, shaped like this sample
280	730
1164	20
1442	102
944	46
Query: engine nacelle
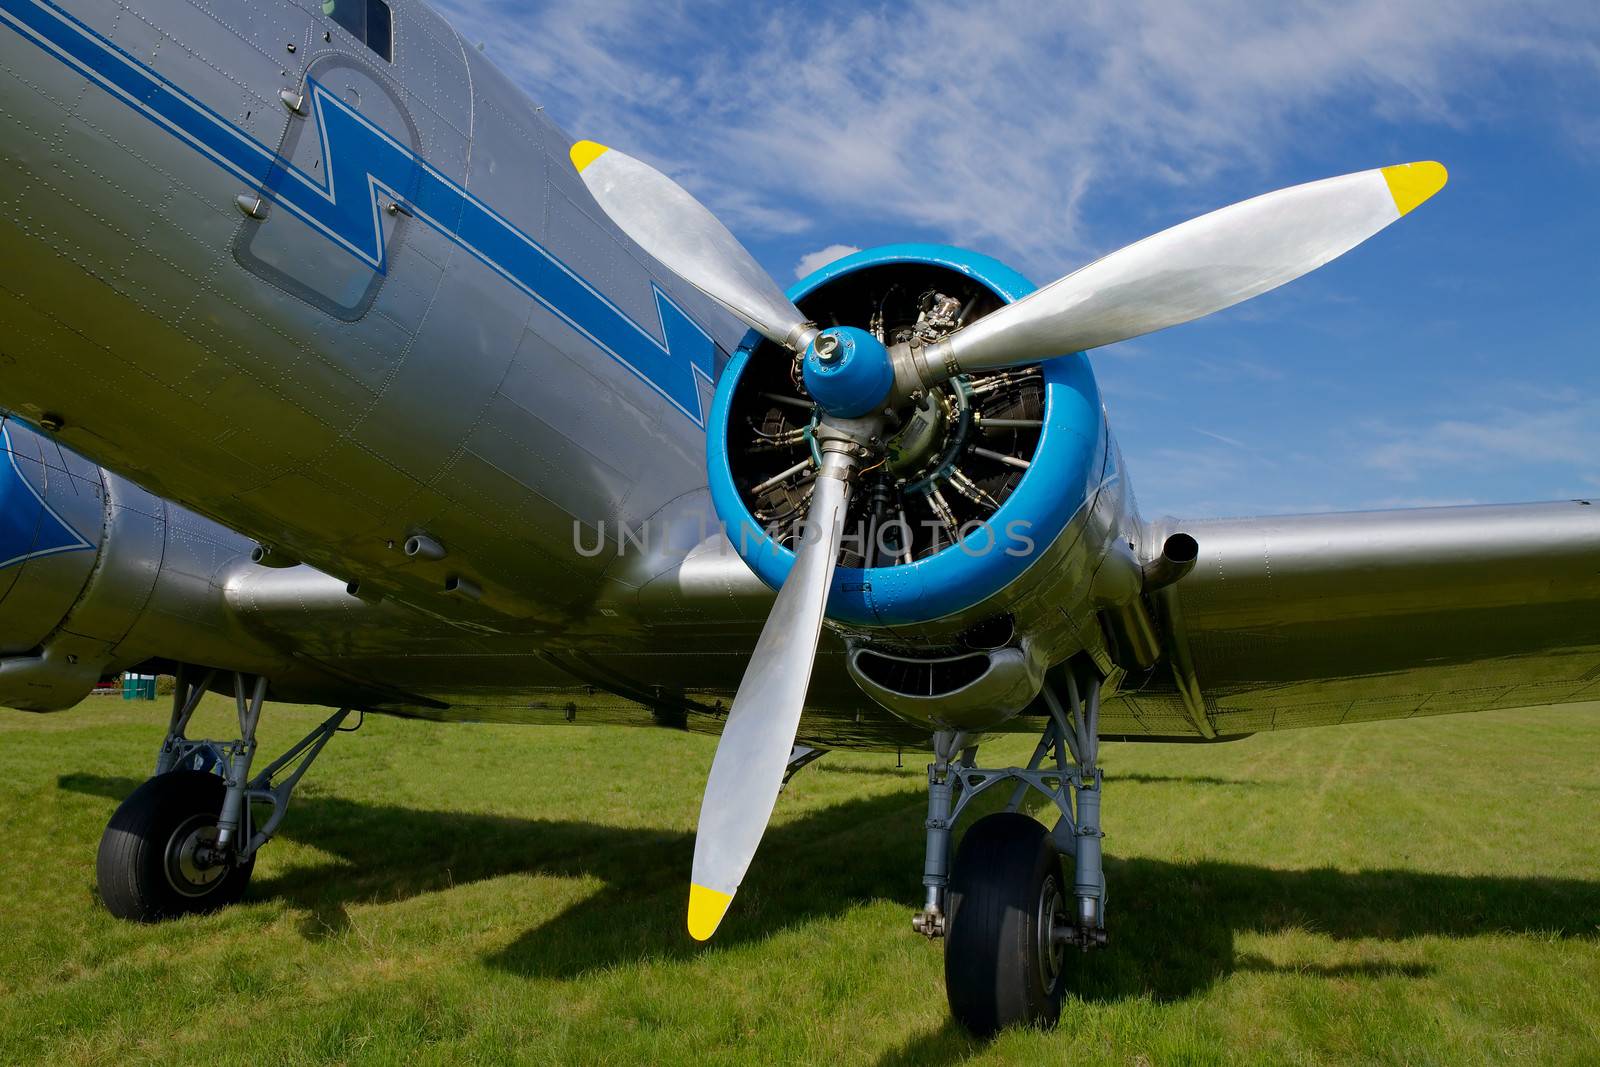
81	553
99	576
999	495
52	521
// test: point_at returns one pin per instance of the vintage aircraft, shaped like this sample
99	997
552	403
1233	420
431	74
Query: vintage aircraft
338	374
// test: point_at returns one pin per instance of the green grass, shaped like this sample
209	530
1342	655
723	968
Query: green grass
1418	892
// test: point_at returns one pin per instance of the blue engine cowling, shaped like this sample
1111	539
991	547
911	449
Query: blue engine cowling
1066	466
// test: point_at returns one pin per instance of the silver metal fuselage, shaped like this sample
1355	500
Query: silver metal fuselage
478	357
282	386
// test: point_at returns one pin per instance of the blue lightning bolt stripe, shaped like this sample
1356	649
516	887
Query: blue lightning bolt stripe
29	528
364	163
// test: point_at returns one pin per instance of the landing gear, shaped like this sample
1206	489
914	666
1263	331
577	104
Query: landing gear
150	865
1007	914
185	841
1003	961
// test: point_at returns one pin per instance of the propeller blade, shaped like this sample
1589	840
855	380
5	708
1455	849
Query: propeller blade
675	228
1193	269
747	771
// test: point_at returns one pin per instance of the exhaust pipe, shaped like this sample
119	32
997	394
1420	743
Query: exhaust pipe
264	555
1178	555
1129	629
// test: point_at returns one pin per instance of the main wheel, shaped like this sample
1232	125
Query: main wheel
147	865
1002	964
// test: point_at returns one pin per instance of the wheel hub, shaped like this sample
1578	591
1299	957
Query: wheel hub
1052	949
190	869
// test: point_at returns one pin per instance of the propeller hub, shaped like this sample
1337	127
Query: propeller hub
848	371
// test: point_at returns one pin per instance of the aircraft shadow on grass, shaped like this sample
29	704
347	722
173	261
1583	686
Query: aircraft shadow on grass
1173	924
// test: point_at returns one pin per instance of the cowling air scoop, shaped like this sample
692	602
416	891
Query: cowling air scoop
1180	274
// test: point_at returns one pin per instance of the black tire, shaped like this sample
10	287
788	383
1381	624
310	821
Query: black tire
143	867
1000	967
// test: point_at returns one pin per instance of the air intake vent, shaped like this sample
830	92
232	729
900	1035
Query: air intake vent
972	690
922	677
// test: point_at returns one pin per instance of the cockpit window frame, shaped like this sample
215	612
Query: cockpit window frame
361	28
386	53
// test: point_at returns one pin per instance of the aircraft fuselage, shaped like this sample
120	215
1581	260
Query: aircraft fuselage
344	293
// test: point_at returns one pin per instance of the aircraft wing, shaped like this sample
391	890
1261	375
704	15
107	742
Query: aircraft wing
1323	619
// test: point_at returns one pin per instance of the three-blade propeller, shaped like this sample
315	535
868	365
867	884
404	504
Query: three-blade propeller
1181	274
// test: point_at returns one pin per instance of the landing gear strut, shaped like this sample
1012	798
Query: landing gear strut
1006	913
185	841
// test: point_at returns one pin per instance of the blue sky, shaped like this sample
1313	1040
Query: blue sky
1454	358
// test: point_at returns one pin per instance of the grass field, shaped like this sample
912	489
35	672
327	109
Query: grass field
1417	892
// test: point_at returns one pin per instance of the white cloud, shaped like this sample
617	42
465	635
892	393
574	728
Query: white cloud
1561	429
813	261
1000	125
1219	437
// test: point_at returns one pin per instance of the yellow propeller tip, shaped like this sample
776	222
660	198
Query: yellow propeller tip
706	909
585	153
1412	183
